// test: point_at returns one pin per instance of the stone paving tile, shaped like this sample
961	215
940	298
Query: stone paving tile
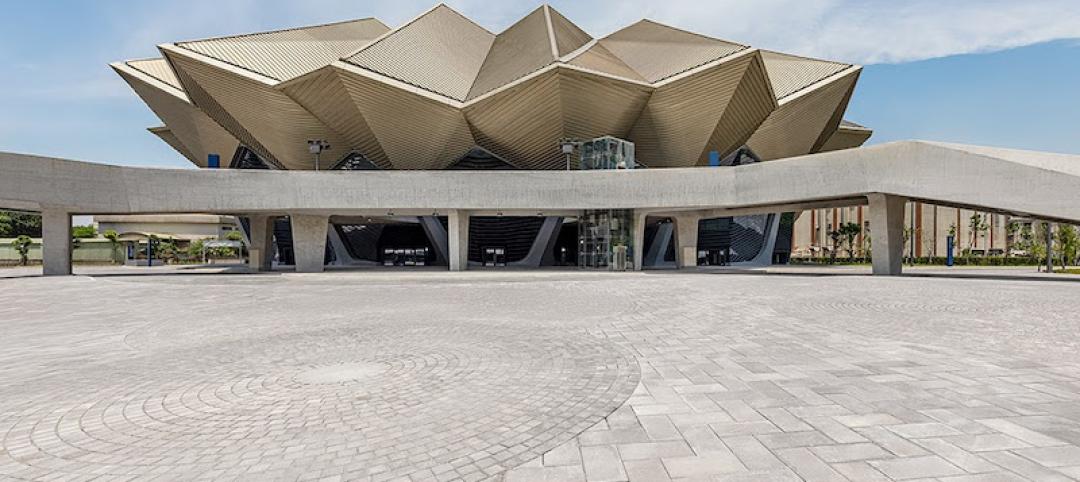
720	378
916	467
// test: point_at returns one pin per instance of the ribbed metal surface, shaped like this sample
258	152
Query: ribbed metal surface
794	127
523	48
260	116
595	106
479	159
524	123
847	138
191	127
514	234
323	94
791	74
167	135
414	132
749	107
657	51
600	59
285	54
158	69
679	121
441	51
568	36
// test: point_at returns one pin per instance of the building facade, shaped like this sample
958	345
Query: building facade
443	93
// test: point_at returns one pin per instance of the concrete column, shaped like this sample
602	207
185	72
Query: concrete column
459	239
56	242
640	218
887	233
261	251
309	241
686	234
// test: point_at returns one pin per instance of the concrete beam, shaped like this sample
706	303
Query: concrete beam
887	233
261	251
309	241
686	234
56	242
459	239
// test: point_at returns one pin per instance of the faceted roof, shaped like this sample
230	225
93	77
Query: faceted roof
421	95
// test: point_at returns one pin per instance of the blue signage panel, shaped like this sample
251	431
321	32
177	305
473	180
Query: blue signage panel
213	161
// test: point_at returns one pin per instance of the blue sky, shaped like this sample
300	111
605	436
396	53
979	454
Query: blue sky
995	72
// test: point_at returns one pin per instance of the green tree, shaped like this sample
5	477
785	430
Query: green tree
849	231
114	243
1066	244
83	232
234	236
13	224
978	226
835	236
22	246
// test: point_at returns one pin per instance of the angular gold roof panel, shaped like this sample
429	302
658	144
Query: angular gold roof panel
158	69
657	51
522	49
285	54
440	51
425	93
790	74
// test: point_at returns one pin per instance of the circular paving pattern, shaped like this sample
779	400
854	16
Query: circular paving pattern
456	400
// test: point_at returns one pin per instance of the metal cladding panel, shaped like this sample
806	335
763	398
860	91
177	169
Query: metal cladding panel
790	74
520	50
324	95
158	69
285	54
441	51
595	106
568	37
748	108
522	124
414	132
260	116
680	118
847	138
794	127
192	128
600	59
657	51
836	119
166	135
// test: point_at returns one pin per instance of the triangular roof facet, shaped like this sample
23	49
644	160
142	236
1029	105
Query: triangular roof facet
440	51
657	51
790	74
285	54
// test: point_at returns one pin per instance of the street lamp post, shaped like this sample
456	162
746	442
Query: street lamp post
316	147
567	146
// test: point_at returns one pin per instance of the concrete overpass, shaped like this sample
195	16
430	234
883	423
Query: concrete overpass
1035	184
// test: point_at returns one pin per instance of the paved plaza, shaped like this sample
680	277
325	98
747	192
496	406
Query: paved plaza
548	375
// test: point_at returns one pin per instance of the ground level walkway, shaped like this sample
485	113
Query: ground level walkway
804	373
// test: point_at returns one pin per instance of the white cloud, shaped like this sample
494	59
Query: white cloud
860	31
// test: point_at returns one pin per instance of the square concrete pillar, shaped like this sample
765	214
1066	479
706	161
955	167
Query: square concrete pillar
640	218
458	251
55	242
261	251
309	241
686	234
887	233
